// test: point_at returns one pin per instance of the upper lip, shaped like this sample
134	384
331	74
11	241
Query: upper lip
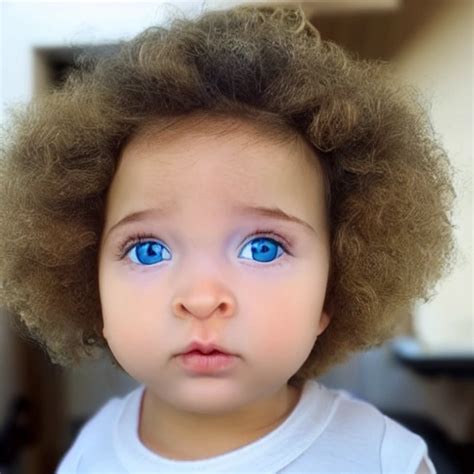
205	348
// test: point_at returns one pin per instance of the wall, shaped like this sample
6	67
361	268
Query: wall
439	61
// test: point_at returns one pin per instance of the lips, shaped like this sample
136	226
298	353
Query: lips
205	348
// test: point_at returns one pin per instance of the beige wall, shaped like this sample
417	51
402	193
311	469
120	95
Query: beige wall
436	55
439	61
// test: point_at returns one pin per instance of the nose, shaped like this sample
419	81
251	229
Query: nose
203	300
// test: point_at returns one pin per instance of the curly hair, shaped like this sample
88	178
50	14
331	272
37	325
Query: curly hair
389	180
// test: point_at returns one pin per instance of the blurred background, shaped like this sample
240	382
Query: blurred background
424	378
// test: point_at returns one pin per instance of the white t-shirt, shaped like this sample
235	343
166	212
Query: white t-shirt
327	432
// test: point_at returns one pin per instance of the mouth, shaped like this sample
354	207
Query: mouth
197	363
197	347
214	352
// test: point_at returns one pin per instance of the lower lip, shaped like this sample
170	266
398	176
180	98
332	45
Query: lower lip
207	363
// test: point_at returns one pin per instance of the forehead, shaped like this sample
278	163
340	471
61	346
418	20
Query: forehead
215	164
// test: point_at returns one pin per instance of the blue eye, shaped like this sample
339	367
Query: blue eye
149	253
262	249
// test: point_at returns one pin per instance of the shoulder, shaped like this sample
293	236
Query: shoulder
358	416
398	439
93	436
376	436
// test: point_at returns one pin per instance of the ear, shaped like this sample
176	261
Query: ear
324	321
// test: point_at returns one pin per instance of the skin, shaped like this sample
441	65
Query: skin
268	313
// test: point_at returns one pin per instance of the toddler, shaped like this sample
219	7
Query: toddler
226	208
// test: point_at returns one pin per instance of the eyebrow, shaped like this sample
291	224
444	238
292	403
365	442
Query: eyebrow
259	211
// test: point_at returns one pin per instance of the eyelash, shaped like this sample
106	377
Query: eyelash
139	238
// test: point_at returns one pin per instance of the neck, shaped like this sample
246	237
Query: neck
184	436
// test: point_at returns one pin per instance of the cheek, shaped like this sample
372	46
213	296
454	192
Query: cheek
286	325
132	329
129	315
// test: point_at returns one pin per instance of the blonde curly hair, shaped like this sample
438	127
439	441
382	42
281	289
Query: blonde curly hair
389	182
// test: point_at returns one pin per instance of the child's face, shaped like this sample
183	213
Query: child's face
202	281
